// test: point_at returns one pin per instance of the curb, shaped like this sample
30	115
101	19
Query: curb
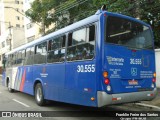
147	106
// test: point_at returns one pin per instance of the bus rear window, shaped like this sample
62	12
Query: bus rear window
128	33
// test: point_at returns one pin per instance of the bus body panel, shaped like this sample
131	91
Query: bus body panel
80	82
54	79
27	80
129	69
11	74
19	78
99	54
125	66
4	79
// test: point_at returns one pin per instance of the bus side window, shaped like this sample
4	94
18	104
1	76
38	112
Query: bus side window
75	47
27	59
83	44
11	59
8	61
91	42
31	58
23	56
40	53
32	51
92	33
19	57
4	61
63	41
14	58
70	39
49	45
56	49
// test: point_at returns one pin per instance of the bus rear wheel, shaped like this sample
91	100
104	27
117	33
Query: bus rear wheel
9	87
39	97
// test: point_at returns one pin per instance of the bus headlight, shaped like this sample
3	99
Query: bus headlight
108	88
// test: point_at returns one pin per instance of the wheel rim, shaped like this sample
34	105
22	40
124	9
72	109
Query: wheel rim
39	94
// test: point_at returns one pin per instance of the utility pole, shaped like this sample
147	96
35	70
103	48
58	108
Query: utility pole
10	36
138	9
43	27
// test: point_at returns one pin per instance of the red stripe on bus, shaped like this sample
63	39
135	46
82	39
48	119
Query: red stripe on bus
23	80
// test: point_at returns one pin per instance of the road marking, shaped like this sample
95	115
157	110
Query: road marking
146	105
21	103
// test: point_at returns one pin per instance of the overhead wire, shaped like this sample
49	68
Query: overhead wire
63	5
82	1
66	5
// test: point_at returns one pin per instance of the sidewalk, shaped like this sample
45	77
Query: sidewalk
156	101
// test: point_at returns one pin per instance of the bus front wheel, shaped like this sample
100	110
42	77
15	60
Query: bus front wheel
9	86
39	97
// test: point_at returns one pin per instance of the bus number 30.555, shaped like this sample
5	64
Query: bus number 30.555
86	68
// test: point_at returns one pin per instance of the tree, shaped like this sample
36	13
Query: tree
60	12
51	11
65	12
150	14
146	10
39	12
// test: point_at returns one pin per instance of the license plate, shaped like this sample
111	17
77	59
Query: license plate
133	82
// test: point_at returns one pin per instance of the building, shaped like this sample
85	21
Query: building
12	32
31	29
16	28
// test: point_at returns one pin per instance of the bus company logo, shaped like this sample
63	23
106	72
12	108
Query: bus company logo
134	71
43	74
133	82
109	58
115	61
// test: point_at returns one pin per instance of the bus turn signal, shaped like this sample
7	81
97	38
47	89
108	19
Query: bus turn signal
105	74
154	75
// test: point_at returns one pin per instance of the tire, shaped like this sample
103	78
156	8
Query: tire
9	87
39	96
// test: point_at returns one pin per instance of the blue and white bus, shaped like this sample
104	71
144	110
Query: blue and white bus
105	59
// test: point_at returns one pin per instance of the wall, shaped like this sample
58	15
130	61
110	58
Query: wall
18	36
157	54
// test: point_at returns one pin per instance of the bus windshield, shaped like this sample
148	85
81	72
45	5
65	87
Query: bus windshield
128	33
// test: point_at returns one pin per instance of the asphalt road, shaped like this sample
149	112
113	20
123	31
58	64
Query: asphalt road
21	103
